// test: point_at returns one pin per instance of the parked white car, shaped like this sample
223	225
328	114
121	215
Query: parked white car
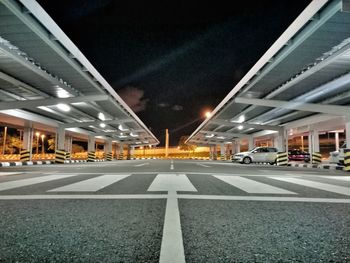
337	156
257	155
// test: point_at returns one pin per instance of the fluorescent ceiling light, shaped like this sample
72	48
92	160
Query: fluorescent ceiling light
63	107
120	127
61	93
46	109
101	116
221	137
240	127
209	136
102	125
133	135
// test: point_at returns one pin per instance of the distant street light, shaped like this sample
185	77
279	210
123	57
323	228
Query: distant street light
37	142
42	143
208	114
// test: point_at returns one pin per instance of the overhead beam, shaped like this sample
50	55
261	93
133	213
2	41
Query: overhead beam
30	104
247	125
300	106
95	123
227	134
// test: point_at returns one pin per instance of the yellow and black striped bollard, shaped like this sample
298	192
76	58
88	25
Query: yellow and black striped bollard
316	158
109	156
121	156
24	156
60	156
91	156
68	157
346	160
282	159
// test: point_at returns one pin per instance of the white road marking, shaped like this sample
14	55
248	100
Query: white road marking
203	165
342	178
184	196
321	186
31	181
172	249
141	164
171	167
171	182
251	186
266	198
91	185
4	173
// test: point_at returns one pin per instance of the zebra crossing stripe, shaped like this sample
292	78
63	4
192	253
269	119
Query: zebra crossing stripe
342	178
31	181
320	186
91	185
251	186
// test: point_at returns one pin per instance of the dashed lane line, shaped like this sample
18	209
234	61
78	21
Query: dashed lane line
203	165
141	164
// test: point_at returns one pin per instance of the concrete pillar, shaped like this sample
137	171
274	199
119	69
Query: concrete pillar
280	141
60	138
238	146
309	140
215	152
121	149
211	152
108	146
222	151
285	146
250	143
315	141
91	143
337	141
68	144
128	154
28	134
347	134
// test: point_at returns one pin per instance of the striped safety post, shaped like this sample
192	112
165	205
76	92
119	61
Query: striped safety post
109	156
282	159
24	156
60	156
121	156
316	158
68	156
91	156
222	157
346	160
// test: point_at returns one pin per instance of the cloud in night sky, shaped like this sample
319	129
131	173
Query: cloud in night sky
177	108
133	97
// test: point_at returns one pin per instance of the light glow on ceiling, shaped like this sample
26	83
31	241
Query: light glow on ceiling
120	127
209	135
240	127
63	107
101	116
102	125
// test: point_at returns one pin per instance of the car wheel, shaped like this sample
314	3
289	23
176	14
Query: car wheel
247	160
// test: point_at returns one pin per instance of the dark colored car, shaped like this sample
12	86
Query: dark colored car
298	155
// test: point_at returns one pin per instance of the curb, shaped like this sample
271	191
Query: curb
317	166
7	164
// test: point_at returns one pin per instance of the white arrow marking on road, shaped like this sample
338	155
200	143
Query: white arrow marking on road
251	186
172	249
31	181
321	186
91	185
142	164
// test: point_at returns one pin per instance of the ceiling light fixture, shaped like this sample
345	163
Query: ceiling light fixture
63	107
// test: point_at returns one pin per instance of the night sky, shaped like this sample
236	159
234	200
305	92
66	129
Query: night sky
171	62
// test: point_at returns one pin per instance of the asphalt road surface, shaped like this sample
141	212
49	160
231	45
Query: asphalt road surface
173	211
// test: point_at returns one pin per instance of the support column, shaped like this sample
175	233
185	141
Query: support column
337	141
121	152
91	143
215	152
28	140
68	144
238	146
250	143
60	138
222	152
279	141
108	146
128	154
347	134
315	141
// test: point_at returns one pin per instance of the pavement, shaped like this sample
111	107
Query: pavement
173	211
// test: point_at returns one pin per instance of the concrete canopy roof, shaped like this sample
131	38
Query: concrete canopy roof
41	68
306	72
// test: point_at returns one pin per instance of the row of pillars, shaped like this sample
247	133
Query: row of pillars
281	143
64	142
